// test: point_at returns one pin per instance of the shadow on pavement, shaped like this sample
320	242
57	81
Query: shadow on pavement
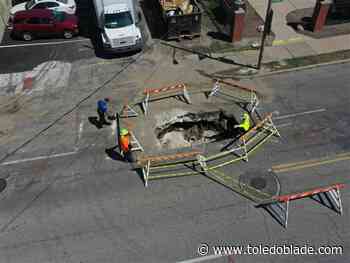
113	154
3	184
94	121
203	55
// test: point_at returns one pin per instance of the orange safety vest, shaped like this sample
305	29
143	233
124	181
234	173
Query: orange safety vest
124	143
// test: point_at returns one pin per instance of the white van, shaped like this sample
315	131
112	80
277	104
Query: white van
117	21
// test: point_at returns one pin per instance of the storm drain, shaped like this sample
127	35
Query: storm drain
265	182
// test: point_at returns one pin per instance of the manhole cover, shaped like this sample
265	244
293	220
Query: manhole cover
3	185
258	183
265	182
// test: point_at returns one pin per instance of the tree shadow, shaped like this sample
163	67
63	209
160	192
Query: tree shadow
220	59
219	36
215	76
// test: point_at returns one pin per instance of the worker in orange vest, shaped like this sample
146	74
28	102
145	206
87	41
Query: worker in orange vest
124	141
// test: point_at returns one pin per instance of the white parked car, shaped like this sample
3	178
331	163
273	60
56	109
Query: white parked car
67	6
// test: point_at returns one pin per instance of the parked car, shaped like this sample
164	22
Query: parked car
67	6
44	23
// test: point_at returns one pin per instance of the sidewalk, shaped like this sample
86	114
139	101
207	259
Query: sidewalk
288	43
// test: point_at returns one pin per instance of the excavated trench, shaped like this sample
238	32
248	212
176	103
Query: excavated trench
196	128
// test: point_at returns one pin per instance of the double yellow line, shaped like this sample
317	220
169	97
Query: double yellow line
281	168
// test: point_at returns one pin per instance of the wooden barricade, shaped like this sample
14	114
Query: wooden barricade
178	90
152	162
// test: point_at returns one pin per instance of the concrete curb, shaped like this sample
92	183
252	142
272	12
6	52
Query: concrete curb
297	69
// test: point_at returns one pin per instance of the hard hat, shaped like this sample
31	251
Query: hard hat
124	132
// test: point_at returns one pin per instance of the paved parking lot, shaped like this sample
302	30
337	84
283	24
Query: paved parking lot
17	56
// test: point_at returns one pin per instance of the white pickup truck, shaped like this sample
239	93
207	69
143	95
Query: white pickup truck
117	21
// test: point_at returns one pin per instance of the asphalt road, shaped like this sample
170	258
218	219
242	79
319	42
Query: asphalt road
84	207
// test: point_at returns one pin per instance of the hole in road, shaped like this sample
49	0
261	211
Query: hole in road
196	128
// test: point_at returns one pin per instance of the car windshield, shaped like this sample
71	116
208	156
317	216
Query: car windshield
118	20
59	16
30	4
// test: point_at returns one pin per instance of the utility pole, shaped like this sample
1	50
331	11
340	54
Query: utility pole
267	30
118	130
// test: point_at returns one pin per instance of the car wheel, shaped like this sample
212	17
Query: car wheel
67	34
27	36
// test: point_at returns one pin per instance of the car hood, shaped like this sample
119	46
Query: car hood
19	7
126	31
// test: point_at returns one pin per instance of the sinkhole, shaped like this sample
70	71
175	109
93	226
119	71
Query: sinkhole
196	128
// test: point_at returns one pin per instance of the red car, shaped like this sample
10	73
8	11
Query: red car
43	23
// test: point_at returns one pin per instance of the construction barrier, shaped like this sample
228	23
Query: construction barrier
160	163
252	101
128	112
199	163
247	143
328	196
178	90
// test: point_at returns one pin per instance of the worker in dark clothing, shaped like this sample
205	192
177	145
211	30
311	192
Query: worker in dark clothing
102	109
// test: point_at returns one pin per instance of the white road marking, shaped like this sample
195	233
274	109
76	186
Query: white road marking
80	132
298	114
200	259
284	125
46	43
83	49
39	158
114	127
81	127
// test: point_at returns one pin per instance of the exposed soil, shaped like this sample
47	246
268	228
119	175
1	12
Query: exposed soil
196	128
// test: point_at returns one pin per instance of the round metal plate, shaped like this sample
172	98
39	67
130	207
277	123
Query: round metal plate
263	181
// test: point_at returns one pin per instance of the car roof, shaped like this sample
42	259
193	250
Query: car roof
57	1
34	12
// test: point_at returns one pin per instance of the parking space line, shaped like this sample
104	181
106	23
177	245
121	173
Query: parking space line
298	114
47	43
39	158
284	125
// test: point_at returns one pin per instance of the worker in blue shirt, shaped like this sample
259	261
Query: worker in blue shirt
102	109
